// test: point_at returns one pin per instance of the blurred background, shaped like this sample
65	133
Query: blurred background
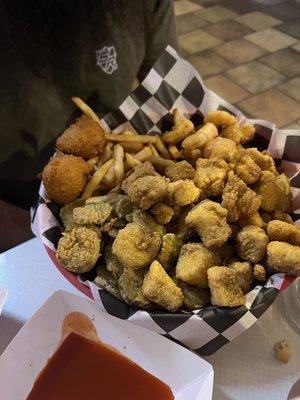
248	52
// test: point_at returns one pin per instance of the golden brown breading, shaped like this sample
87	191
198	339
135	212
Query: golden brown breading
263	159
209	220
182	192
203	135
139	171
191	155
222	119
210	176
284	257
247	169
136	246
180	170
78	250
251	243
143	218
239	133
284	232
84	139
147	191
193	262
162	213
274	191
254	219
221	148
259	273
160	288
244	273
179	132
224	287
169	250
238	199
282	216
92	213
64	178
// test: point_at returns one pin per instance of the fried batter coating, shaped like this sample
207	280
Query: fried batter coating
284	257
191	155
139	171
193	263
130	285
263	159
147	191
113	265
136	246
247	169
66	212
105	280
284	232
160	288
259	273
282	216
182	192
244	274
254	219
169	251
180	170
239	133
179	132
251	243
220	148
200	137
141	217
92	213
224	287
84	139
210	176
162	213
274	191
222	119
209	220
64	178
79	249
238	199
193	296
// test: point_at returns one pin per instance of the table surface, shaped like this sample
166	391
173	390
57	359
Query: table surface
244	369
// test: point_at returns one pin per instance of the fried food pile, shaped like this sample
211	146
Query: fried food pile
192	217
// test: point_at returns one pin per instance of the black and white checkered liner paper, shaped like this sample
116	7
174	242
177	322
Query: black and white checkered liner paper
173	82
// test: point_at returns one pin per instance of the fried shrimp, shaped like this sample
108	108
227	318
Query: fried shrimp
221	119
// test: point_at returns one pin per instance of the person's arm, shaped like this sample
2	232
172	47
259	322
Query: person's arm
15	226
160	32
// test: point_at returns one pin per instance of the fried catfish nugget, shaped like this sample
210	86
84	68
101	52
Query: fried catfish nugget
284	232
246	168
179	132
180	170
193	263
139	171
238	199
224	287
244	274
182	193
251	243
130	285
209	220
284	257
159	288
274	191
259	273
210	176
239	133
220	148
79	249
64	178
84	139
221	119
162	212
136	246
147	191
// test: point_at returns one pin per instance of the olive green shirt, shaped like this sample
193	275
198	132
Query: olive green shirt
94	58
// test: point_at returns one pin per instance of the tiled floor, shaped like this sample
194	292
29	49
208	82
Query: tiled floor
247	51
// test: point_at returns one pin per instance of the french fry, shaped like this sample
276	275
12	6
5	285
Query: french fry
96	179
160	161
176	116
93	161
153	149
119	163
119	137
86	109
131	147
143	155
202	136
116	189
161	147
175	153
109	177
105	155
131	161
